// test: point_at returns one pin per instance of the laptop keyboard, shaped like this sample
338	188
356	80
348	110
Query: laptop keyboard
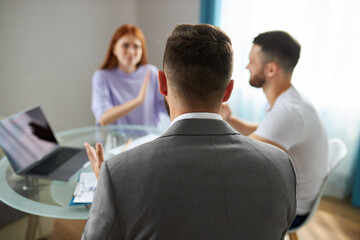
59	158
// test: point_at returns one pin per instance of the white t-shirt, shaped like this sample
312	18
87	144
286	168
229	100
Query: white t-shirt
293	123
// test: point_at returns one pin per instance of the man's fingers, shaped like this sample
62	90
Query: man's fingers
100	152
95	156
99	147
90	151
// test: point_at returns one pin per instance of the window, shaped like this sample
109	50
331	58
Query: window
327	72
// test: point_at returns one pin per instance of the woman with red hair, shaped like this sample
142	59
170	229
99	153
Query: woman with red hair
125	89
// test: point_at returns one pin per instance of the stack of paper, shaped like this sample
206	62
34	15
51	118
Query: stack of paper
84	191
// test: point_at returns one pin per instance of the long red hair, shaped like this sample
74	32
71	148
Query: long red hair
111	61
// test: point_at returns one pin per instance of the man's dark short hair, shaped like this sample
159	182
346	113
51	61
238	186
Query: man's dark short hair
281	47
199	59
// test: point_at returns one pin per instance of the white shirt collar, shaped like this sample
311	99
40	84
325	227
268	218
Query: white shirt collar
198	115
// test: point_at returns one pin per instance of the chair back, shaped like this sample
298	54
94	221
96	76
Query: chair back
337	152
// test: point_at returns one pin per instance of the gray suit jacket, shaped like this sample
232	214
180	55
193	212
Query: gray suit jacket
199	180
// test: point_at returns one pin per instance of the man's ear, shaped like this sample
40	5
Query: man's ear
228	90
271	69
162	83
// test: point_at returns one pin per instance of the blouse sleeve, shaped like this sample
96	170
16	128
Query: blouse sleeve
101	100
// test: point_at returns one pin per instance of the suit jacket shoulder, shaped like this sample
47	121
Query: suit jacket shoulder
201	180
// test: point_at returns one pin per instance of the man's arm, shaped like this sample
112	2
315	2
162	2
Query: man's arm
238	124
256	137
244	127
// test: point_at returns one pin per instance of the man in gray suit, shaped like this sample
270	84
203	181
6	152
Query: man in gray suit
201	179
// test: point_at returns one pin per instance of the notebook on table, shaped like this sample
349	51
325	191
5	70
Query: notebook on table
32	149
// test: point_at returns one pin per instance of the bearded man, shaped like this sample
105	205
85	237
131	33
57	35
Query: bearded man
291	123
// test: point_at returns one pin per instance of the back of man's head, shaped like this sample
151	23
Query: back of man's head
198	62
281	47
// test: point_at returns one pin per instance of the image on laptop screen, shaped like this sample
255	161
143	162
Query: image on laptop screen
26	138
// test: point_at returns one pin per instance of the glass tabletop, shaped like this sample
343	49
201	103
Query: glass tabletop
49	198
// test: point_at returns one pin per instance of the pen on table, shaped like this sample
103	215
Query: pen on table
127	144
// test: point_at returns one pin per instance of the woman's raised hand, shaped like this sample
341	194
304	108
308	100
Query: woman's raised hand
142	94
114	113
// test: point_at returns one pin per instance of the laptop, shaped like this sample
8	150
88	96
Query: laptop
32	149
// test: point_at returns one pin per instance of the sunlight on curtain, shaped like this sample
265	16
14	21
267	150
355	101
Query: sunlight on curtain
327	72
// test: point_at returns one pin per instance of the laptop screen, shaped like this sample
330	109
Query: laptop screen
26	138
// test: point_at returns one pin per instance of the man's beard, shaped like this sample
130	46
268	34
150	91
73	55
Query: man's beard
167	106
258	80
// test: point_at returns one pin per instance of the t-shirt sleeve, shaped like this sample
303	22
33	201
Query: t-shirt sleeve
101	100
283	126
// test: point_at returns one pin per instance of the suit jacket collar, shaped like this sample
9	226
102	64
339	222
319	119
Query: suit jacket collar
200	127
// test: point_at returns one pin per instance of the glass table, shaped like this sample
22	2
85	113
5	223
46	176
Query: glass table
42	197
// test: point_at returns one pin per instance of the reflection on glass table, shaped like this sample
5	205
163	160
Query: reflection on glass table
48	198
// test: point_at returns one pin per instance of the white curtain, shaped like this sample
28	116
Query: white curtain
327	72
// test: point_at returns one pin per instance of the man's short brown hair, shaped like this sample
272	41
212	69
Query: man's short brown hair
281	47
198	59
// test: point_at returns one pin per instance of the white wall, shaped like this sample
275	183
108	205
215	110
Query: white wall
49	50
157	18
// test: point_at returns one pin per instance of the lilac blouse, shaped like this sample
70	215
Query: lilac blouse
114	87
